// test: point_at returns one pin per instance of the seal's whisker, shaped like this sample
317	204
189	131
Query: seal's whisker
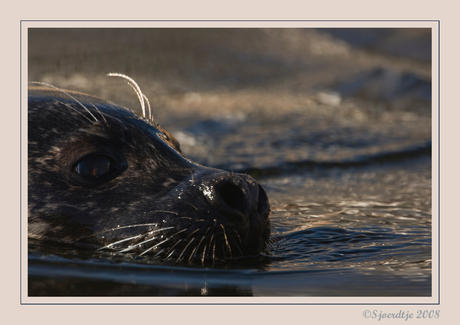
166	211
153	247
185	248
192	232
159	253
196	209
171	249
239	248
206	232
142	98
239	239
134	237
100	113
204	246
177	233
203	255
141	243
170	254
237	234
213	254
192	254
210	241
66	93
199	243
137	225
226	240
133	85
150	109
186	218
120	241
235	243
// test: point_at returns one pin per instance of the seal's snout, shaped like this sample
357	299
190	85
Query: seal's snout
235	209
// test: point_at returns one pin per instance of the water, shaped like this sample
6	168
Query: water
339	136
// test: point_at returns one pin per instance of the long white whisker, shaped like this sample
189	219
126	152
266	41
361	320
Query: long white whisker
204	255
141	243
120	241
153	247
213	253
198	246
172	248
150	109
192	253
185	248
177	233
193	232
170	254
136	88
54	87
236	232
134	237
138	225
140	97
97	109
157	254
226	240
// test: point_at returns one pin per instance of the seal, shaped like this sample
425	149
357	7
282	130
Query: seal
102	177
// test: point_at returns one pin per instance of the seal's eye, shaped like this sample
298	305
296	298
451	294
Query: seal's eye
95	166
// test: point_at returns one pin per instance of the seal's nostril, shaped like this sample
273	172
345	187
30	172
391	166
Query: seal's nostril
232	196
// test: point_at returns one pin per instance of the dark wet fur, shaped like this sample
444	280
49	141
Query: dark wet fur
153	202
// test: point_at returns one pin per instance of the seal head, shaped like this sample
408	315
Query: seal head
100	176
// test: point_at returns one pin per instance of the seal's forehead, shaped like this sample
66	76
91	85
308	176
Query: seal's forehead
66	102
90	110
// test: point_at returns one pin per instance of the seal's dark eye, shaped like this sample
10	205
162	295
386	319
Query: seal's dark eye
95	166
